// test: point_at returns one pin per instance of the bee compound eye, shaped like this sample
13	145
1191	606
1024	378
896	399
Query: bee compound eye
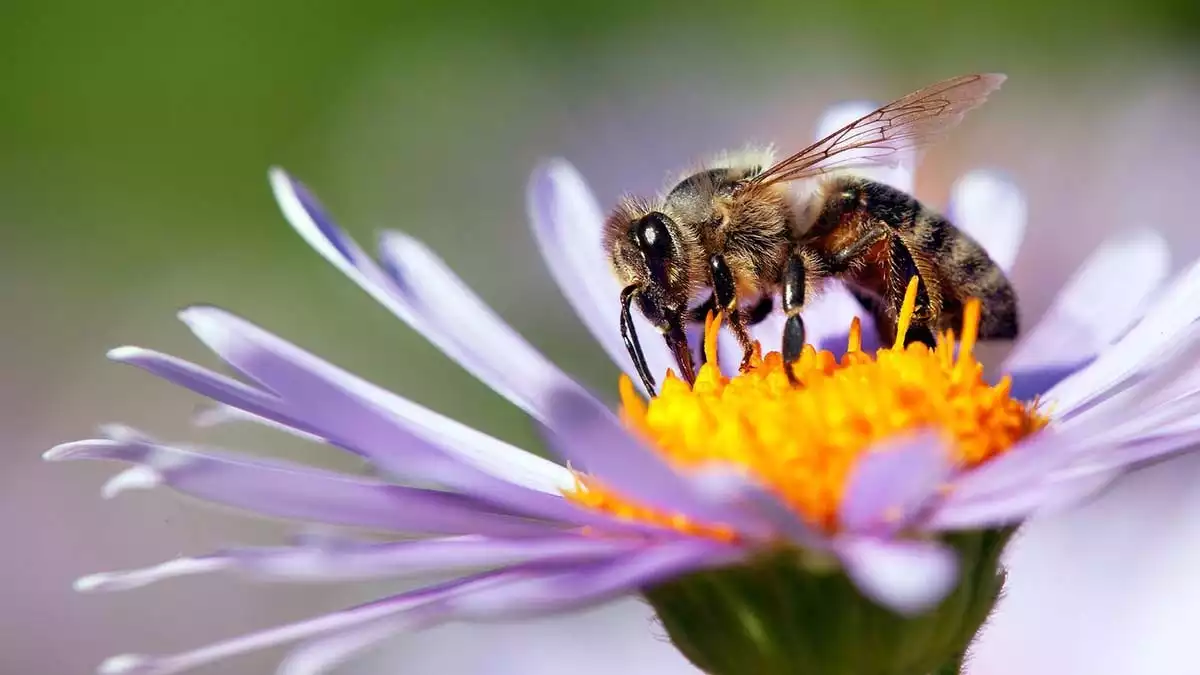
653	237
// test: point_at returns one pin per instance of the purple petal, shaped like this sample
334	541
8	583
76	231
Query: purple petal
909	577
1029	383
371	560
286	490
319	656
507	593
765	516
1128	456
587	435
1126	270
403	610
392	432
1022	466
567	224
515	371
992	210
542	592
892	484
1015	505
454	438
450	315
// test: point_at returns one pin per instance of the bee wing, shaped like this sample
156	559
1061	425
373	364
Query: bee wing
908	123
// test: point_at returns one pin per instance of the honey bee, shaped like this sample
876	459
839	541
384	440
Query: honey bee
733	237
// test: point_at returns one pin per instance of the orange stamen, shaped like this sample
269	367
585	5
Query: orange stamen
804	441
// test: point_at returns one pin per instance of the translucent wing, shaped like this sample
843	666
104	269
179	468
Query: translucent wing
915	121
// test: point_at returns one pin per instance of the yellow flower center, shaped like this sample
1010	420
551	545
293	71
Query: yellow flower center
803	441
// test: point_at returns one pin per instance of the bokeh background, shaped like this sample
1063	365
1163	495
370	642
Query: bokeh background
134	141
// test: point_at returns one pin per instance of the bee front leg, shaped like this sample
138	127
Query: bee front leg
725	292
794	285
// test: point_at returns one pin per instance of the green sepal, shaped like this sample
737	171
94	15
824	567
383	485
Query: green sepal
777	614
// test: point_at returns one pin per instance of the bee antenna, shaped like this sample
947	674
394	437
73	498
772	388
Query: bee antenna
632	345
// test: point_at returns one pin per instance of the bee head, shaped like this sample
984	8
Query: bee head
646	256
645	250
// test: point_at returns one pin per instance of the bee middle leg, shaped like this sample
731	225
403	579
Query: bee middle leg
725	293
800	264
754	315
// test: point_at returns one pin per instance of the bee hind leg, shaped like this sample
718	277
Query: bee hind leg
904	269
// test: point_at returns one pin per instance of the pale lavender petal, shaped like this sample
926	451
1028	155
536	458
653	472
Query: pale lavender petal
286	490
452	438
1015	505
501	369
992	211
588	436
766	517
1174	311
320	655
453	317
506	593
541	592
1019	467
393	432
1052	471
1125	272
1135	412
209	384
1029	383
894	483
358	560
1142	399
567	224
906	576
1128	456
402	609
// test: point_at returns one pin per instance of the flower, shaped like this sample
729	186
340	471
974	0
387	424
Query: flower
900	534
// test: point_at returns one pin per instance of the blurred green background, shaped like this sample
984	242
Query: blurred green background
135	137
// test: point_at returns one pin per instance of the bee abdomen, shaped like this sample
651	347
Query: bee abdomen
967	272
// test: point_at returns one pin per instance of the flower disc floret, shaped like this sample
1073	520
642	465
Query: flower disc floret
803	441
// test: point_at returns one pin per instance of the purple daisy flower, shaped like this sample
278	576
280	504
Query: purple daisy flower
912	545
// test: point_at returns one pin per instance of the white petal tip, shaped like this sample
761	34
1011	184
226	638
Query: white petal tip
553	169
211	326
400	242
123	434
91	582
123	581
214	416
135	478
125	353
61	453
280	180
196	314
126	664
